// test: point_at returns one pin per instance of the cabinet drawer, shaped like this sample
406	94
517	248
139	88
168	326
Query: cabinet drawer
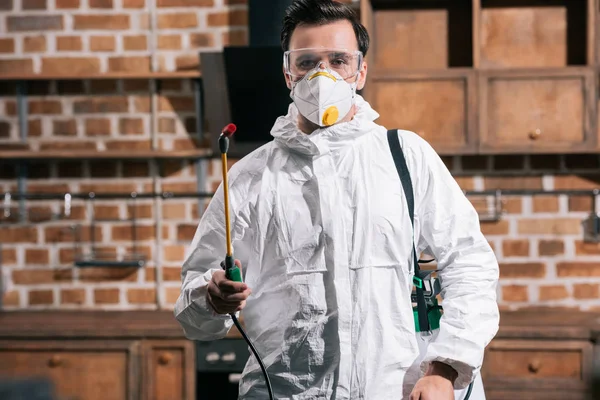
537	111
521	364
169	370
438	107
79	371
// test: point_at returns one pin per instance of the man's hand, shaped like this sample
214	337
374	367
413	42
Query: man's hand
226	296
437	384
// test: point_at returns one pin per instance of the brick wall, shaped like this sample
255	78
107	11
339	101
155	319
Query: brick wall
538	240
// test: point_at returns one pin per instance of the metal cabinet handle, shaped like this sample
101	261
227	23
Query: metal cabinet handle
165	358
535	134
534	366
54	361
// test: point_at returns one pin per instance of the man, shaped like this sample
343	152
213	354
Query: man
322	232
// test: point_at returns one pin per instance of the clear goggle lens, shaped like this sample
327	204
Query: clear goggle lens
299	62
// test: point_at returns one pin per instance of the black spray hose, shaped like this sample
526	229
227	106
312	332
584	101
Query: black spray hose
260	362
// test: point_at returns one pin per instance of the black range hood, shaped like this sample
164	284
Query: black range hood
245	84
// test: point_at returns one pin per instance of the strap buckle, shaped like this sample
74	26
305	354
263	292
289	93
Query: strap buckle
418	282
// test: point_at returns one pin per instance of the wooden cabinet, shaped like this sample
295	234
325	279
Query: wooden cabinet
537	111
137	355
438	107
486	76
542	355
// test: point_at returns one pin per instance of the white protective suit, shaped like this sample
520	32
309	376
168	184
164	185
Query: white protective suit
321	226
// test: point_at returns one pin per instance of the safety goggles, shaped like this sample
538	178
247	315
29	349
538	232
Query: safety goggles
297	63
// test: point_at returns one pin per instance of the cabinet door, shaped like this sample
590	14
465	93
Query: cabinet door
438	106
79	370
170	370
534	365
537	111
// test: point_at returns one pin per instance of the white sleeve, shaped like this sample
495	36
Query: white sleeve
207	251
449	225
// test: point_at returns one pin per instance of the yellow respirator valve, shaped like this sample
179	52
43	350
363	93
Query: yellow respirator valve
330	116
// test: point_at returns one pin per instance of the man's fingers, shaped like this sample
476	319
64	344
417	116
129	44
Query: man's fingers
227	286
230	297
415	395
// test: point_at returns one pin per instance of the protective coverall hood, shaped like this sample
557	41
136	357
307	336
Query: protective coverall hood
321	227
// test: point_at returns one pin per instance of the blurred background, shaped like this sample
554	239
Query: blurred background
109	114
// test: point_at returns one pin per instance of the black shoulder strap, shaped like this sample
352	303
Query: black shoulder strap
402	169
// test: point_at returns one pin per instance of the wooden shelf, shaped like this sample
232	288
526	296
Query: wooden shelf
110	75
87	154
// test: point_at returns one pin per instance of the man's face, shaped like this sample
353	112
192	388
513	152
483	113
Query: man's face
336	35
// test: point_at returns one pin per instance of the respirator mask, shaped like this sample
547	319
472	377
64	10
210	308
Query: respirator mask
323	82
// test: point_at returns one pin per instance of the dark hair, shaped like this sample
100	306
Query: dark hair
321	12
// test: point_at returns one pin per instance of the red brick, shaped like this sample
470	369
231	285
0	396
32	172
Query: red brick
64	234
34	128
16	67
34	44
9	256
130	145
104	212
72	296
586	291
37	256
7	45
172	274
134	3
129	64
64	128
101	3
109	104
4	130
556	226
202	40
553	292
177	21
18	234
34	4
187	62
46	107
141	296
545	204
6	5
38	276
494	228
71	66
176	103
60	4
174	211
97	127
583	181
48	187
166	125
108	274
131	126
582	248
68	43
101	22
581	269
174	252
523	182
515	293
141	103
228	18
522	270
551	247
580	203
169	42
235	38
11	299
136	42
515	248
180	187
106	296
513	205
102	43
41	297
124	233
34	23
186	232
172	294
185	3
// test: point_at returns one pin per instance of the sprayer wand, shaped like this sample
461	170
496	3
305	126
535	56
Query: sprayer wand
232	271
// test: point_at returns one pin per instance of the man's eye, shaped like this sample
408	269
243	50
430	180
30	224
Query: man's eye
307	64
338	61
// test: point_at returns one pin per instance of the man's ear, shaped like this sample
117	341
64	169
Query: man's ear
288	81
362	76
